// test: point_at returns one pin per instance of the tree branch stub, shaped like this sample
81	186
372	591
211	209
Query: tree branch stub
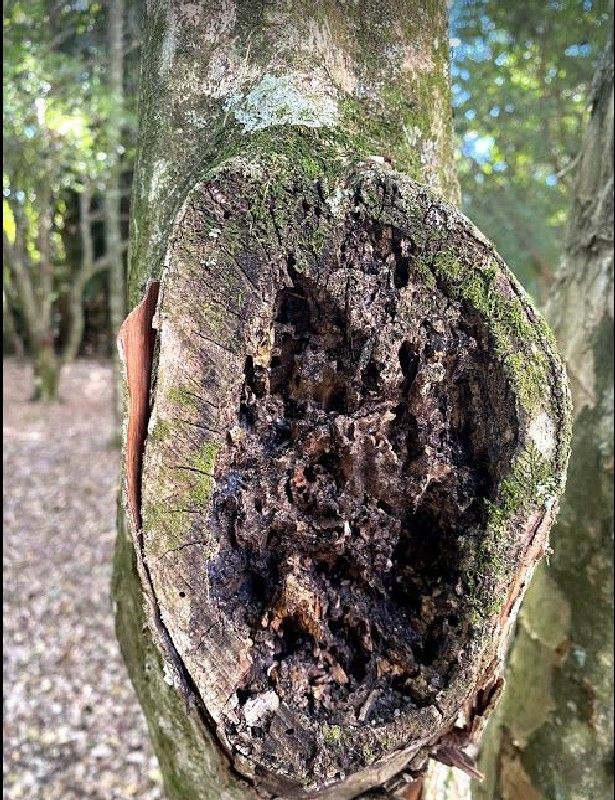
358	438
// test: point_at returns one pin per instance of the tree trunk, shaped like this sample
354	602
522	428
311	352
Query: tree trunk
87	269
346	428
46	364
553	733
34	284
46	371
12	340
113	237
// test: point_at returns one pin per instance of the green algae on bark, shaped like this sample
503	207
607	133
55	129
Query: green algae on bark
379	73
187	753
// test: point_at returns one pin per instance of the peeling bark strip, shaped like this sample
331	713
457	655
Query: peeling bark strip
358	439
135	343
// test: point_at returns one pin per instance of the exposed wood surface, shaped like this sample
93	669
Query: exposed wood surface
231	598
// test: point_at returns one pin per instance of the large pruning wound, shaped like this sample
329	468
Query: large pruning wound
331	515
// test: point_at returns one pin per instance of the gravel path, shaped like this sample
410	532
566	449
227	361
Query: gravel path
72	726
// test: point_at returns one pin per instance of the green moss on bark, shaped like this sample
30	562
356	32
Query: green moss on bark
386	72
519	342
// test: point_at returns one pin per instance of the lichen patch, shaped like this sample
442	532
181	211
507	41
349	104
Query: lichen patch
284	100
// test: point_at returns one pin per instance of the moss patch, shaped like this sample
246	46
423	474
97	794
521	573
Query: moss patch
331	733
204	462
529	484
183	397
170	526
517	340
159	432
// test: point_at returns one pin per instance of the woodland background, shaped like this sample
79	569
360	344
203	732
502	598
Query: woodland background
521	83
521	74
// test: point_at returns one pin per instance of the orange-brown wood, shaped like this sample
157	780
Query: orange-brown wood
414	790
136	341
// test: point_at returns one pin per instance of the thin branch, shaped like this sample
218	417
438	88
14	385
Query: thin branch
89	267
15	259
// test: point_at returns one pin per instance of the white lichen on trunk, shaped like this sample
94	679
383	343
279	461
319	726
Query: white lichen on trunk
377	73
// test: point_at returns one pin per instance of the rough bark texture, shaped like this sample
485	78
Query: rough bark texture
46	365
357	427
552	736
35	282
214	73
12	342
89	267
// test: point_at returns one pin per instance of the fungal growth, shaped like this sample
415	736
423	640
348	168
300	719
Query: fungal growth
329	515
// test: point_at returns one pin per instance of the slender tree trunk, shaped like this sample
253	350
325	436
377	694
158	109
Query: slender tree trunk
113	238
36	295
9	329
81	278
34	283
46	371
46	364
331	521
87	269
553	734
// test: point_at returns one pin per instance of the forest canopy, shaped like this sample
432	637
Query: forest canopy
521	75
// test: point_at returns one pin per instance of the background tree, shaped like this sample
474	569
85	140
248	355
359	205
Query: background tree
54	107
521	74
553	733
62	141
113	194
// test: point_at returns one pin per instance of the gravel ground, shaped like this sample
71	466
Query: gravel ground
72	725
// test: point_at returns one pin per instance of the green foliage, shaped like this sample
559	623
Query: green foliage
55	102
55	107
60	124
521	74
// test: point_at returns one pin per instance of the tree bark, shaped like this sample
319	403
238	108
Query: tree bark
15	256
346	427
35	284
46	363
112	200
553	733
88	267
9	330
